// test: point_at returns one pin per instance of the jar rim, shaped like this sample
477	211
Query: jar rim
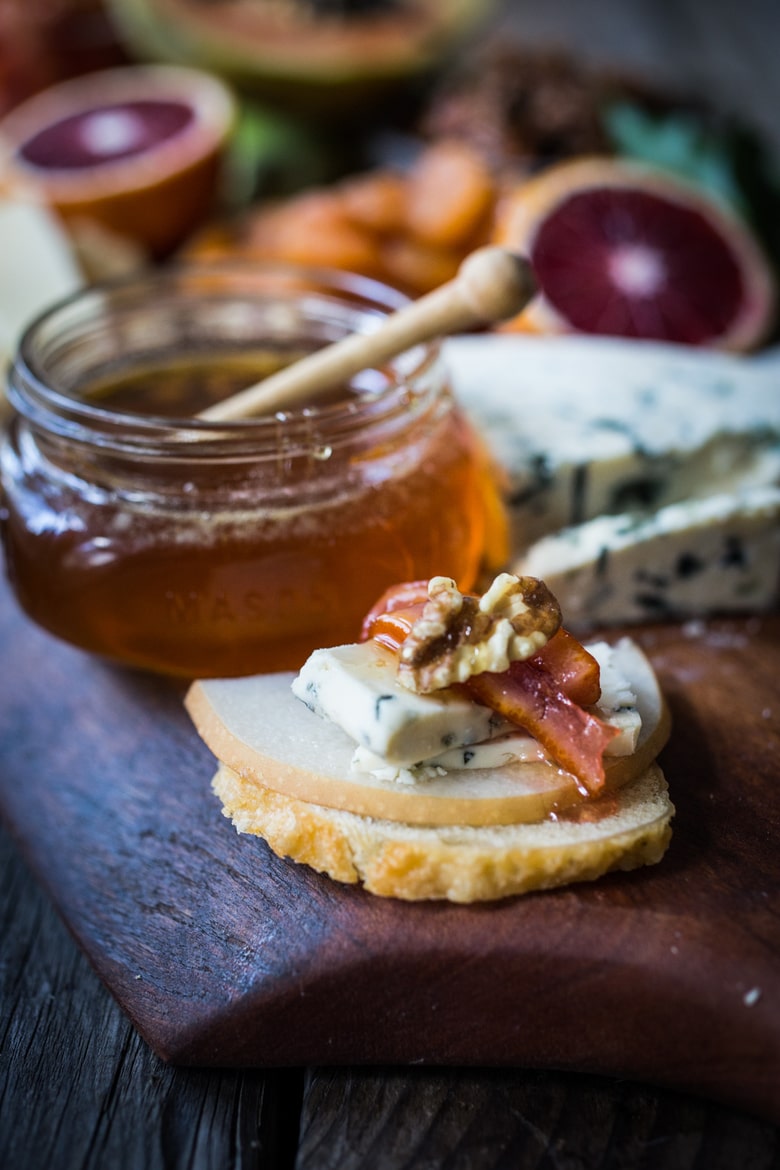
54	409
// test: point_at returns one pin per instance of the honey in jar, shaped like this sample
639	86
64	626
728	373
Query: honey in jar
145	535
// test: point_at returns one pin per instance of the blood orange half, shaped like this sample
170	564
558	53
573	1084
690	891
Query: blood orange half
136	149
623	249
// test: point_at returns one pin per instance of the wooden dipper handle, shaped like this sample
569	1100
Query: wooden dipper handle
492	284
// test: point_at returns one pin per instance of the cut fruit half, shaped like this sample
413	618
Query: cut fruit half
314	56
622	249
136	150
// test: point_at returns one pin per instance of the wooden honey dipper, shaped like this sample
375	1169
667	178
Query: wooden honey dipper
491	285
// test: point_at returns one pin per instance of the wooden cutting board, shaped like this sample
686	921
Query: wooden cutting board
222	954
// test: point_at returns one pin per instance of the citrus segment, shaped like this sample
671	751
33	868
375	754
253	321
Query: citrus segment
450	195
411	230
623	249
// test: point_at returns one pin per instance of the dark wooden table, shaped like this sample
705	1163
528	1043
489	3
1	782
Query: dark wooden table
214	946
80	1089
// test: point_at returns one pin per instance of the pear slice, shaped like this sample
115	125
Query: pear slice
258	729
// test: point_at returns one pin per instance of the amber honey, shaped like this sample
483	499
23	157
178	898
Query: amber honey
196	549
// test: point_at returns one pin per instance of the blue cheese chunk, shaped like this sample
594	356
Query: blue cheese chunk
715	555
355	687
585	426
39	267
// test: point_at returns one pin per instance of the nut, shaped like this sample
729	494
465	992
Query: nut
458	635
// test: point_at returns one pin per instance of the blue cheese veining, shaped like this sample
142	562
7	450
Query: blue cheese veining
720	554
410	738
584	427
355	686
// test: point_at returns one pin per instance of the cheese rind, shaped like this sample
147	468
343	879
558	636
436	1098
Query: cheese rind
583	426
715	555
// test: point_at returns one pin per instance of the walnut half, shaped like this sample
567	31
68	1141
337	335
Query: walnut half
458	636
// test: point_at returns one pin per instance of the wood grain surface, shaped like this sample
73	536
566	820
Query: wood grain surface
224	955
80	1090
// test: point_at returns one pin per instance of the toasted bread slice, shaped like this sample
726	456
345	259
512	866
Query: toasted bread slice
286	774
622	830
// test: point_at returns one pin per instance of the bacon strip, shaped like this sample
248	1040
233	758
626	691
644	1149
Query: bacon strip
574	669
396	597
392	628
528	695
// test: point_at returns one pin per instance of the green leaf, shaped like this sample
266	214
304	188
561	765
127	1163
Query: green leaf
678	142
271	154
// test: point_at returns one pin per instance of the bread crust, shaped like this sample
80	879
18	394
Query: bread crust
623	831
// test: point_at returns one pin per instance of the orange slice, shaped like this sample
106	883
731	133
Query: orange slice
136	150
623	249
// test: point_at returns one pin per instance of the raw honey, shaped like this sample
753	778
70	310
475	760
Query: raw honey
198	549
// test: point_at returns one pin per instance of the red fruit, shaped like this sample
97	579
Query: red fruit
136	150
622	249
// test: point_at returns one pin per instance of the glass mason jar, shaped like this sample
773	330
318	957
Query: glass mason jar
143	534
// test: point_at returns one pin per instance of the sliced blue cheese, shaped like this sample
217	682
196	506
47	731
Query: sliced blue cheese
355	686
408	738
585	426
513	747
720	554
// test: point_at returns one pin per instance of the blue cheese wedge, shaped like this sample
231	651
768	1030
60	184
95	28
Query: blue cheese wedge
355	686
582	426
720	554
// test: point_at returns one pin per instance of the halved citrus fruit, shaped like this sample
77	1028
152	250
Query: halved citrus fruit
136	149
624	249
